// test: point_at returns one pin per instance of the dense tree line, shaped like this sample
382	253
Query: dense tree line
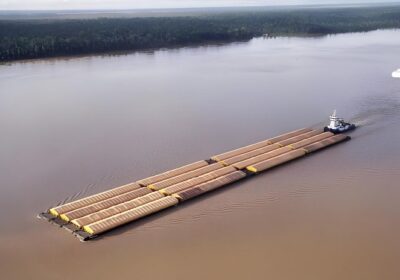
22	39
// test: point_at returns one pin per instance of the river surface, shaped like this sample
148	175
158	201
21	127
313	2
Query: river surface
74	127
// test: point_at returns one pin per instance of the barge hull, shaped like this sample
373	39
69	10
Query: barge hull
88	217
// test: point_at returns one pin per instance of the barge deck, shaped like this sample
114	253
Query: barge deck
91	216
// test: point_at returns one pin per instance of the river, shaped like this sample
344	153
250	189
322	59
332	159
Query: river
76	126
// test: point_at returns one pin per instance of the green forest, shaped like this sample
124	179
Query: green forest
37	38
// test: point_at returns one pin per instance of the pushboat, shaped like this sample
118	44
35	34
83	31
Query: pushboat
338	125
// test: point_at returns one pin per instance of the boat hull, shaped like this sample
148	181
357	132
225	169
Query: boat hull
347	128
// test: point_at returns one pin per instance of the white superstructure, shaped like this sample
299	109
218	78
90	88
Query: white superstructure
334	121
396	74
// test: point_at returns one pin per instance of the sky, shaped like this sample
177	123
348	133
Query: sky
143	4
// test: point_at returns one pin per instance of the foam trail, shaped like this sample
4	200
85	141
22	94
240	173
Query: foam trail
377	109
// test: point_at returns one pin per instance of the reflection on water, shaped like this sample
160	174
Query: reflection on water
73	127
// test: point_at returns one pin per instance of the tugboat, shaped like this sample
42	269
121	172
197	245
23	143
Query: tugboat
338	125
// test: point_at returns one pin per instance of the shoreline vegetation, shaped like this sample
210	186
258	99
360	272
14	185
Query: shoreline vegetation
41	38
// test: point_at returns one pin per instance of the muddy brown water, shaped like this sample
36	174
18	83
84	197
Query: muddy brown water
73	127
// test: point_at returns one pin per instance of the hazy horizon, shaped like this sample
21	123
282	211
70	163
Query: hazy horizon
162	4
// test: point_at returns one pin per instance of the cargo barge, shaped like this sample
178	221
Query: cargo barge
91	216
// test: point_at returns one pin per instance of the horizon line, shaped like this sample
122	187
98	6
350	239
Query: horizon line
354	4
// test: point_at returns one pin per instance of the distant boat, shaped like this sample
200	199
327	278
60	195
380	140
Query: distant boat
396	74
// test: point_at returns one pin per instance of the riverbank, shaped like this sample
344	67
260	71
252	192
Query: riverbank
41	38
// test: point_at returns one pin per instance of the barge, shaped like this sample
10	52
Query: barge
91	216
